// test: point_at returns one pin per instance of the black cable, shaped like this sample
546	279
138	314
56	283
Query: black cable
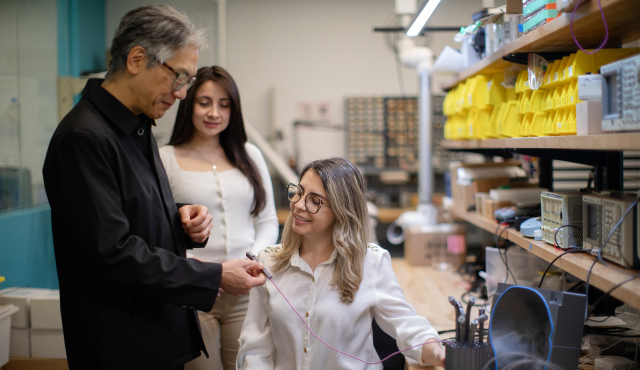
614	288
558	257
555	236
504	259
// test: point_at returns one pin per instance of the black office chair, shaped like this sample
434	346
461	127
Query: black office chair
386	345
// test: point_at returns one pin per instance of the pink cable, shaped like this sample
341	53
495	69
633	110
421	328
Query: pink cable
606	29
337	350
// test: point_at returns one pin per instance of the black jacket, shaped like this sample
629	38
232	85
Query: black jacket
127	294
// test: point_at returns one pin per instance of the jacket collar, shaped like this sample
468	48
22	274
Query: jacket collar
112	108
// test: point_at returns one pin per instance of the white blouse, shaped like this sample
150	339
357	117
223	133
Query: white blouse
229	197
273	336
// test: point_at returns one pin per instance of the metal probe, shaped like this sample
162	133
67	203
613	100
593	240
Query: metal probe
251	256
461	320
472	301
472	332
481	319
455	310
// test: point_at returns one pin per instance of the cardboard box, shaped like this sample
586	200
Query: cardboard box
435	245
20	343
589	118
463	195
480	197
45	311
21	298
17	363
490	206
514	7
47	344
467	193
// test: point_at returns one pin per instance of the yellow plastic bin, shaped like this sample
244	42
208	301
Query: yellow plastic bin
477	123
495	94
491	127
546	84
538	122
476	92
583	62
511	120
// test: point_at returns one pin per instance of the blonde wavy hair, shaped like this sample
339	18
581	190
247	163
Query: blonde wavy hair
346	189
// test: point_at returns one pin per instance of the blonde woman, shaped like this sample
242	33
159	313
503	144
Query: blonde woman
336	280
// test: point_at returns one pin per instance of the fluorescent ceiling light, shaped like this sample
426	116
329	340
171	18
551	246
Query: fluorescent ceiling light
418	23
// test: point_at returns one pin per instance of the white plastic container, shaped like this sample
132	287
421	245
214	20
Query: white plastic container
524	265
45	311
5	331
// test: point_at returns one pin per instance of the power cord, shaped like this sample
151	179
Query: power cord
557	245
557	258
504	258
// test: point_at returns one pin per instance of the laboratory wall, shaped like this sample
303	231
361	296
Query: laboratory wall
287	54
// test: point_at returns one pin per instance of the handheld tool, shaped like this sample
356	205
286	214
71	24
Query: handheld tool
251	256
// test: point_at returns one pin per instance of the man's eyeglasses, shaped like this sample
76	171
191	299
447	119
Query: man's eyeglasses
181	79
312	202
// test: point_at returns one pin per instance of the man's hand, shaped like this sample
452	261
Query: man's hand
433	353
196	222
238	276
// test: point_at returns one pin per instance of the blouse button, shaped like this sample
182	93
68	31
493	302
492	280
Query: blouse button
313	279
141	131
305	349
307	314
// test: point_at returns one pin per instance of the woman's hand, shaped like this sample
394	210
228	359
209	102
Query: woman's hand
433	353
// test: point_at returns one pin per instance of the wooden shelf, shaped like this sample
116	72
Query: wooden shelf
589	142
621	16
602	277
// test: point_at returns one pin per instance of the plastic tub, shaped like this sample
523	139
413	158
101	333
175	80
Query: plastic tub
5	331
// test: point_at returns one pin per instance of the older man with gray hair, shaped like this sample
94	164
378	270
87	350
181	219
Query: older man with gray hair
128	295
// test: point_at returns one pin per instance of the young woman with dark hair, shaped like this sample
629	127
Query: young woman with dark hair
209	162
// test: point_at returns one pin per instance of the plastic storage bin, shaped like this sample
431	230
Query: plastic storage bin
5	331
524	265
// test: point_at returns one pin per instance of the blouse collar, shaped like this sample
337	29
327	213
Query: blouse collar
298	262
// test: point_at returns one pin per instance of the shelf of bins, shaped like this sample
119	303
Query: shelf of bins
626	141
602	277
621	15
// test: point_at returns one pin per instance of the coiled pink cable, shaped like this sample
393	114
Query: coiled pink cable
337	350
606	29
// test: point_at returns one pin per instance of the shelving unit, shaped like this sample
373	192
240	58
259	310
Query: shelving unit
604	152
626	141
602	277
622	17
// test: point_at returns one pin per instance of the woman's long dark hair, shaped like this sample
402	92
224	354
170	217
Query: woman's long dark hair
232	139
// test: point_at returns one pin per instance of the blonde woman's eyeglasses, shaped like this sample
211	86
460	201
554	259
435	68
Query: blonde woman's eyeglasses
312	202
